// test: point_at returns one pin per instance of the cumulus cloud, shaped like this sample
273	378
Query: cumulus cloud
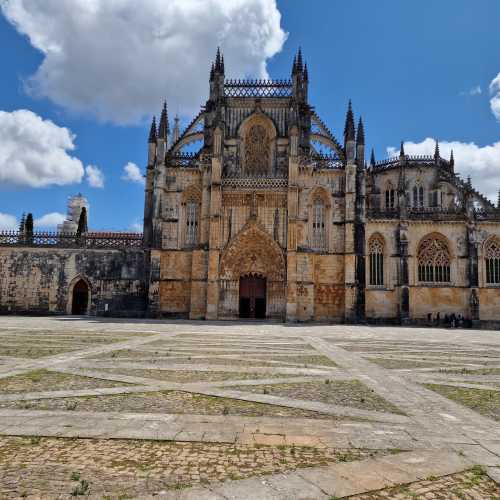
495	97
481	163
132	173
35	152
50	220
8	222
94	176
118	59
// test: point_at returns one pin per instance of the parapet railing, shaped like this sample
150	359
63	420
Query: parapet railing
258	88
424	213
183	160
327	161
71	240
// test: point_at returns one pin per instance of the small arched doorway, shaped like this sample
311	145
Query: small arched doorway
80	298
253	297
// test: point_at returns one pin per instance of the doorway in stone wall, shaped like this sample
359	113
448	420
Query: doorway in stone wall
253	297
80	299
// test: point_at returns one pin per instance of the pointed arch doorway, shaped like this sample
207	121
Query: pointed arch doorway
253	296
80	298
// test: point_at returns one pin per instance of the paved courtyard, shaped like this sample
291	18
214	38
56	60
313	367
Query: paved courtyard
106	408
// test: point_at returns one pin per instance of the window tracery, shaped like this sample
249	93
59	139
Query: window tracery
191	222
433	261
418	196
376	255
257	150
492	260
318	224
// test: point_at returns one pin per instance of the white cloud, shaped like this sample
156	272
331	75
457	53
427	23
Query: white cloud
118	59
495	97
477	90
481	163
34	152
132	173
49	220
95	177
136	226
8	222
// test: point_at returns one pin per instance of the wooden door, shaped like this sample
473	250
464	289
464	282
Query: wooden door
252	297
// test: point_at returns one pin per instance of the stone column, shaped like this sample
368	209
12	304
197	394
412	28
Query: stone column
215	226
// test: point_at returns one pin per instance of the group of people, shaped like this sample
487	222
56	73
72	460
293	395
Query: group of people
449	320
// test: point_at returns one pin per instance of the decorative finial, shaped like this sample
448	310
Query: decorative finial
294	65
402	150
306	73
217	60
437	154
360	139
452	159
176	133
372	158
299	60
212	73
152	132
164	126
349	129
222	67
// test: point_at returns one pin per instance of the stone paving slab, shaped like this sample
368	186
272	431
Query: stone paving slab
335	481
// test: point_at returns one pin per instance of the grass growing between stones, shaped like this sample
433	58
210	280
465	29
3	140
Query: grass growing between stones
395	364
350	393
471	484
485	402
181	376
56	468
166	402
44	380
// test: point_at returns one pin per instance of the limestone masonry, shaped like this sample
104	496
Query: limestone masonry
257	211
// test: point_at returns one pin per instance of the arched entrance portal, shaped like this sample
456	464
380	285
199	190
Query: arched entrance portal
80	299
253	297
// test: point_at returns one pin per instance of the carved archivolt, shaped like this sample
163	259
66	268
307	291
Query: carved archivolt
253	251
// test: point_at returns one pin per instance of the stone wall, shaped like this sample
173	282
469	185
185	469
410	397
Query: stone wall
40	280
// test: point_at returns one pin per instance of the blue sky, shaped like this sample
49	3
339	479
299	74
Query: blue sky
414	70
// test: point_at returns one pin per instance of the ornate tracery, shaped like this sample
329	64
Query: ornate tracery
492	260
257	150
376	255
433	261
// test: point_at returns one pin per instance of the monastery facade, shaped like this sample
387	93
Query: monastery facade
257	211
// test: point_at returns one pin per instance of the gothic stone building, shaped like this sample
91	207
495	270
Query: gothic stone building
257	211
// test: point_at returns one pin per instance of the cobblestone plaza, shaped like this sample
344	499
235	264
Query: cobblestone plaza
140	408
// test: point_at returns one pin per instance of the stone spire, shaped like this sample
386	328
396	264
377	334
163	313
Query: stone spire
300	65
176	133
294	65
498	201
164	129
152	132
349	129
452	159
306	73
372	159
437	154
212	73
360	138
402	150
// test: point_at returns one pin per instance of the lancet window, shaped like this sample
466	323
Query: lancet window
492	260
376	255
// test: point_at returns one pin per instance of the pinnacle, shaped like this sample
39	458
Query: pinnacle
372	158
349	129
164	128
437	154
402	150
152	131
360	139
